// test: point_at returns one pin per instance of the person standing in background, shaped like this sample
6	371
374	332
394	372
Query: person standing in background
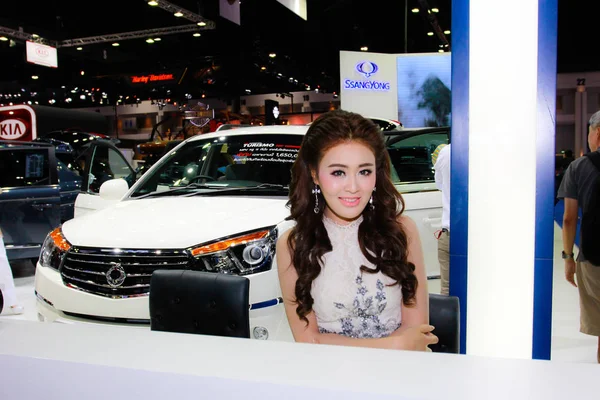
442	181
7	284
577	190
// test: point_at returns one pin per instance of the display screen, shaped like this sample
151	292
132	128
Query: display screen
424	93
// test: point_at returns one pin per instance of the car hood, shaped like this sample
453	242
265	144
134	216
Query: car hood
173	222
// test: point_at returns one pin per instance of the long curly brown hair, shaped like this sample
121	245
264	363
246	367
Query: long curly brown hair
382	239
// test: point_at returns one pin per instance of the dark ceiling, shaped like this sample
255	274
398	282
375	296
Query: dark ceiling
227	61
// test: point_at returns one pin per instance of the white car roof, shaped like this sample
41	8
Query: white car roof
264	130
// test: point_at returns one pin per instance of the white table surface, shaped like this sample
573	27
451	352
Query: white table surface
84	361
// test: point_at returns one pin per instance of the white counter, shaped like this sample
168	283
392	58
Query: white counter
48	361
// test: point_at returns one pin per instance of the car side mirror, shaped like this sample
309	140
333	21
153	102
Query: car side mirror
114	189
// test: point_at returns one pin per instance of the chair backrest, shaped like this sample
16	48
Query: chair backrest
444	315
199	302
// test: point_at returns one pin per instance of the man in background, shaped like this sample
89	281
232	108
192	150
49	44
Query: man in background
577	188
442	181
7	284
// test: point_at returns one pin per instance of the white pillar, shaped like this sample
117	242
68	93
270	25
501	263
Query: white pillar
510	117
580	121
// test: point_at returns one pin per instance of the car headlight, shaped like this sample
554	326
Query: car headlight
54	248
243	254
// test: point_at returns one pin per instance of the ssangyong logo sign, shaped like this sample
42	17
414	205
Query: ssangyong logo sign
12	129
368	69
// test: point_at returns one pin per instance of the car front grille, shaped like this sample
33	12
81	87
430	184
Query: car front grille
118	273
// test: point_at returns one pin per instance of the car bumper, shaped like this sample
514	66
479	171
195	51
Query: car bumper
59	303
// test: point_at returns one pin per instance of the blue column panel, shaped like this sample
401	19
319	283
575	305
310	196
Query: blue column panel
544	221
459	194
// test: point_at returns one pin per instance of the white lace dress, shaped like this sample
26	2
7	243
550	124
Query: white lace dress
348	301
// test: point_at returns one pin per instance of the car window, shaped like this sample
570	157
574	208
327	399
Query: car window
107	163
24	167
237	160
69	162
411	157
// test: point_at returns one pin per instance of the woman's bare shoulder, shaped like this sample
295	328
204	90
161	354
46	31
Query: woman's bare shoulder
407	223
282	241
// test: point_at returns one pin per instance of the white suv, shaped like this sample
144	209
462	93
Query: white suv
216	202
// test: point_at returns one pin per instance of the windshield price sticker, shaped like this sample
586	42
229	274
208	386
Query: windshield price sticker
270	152
34	165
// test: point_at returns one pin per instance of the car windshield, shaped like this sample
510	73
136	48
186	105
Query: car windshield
235	161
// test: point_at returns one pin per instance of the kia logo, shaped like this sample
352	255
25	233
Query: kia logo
12	129
42	52
367	68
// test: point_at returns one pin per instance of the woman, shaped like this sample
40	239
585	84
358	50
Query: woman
351	269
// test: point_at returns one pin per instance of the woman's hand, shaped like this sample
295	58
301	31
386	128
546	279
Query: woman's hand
413	338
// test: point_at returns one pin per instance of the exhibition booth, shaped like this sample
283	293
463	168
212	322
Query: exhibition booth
501	251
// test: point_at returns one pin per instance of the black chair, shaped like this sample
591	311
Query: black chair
444	315
199	302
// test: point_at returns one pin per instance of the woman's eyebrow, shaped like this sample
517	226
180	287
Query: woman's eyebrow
336	165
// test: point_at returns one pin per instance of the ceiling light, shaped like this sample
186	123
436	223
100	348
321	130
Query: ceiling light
115	44
197	34
35	35
178	14
149	40
79	48
429	33
446	32
82	72
435	10
415	10
440	50
364	48
157	39
201	23
153	3
3	38
272	55
34	77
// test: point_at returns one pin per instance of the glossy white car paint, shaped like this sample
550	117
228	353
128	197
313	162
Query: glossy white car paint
182	222
173	222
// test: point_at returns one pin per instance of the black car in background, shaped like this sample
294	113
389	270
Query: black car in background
40	182
30	200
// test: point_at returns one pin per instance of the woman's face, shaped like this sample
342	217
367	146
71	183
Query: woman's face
346	176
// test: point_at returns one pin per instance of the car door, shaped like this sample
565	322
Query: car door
100	161
413	175
29	197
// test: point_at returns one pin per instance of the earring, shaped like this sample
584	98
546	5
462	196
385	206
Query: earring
371	200
316	192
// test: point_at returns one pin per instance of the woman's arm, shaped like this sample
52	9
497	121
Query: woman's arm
419	313
310	333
